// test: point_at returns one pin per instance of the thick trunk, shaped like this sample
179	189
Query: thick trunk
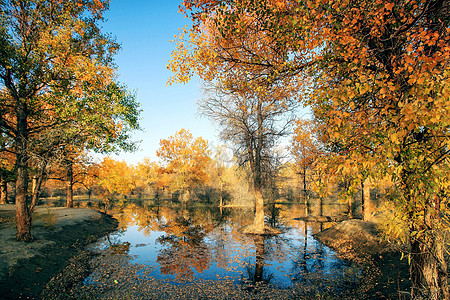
69	184
23	214
258	222
428	269
3	191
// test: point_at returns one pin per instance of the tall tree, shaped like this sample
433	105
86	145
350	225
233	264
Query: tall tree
381	89
56	67
254	122
253	110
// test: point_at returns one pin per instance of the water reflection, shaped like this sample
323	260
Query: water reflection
189	243
257	273
183	249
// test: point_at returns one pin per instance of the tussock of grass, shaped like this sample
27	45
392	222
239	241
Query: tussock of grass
49	219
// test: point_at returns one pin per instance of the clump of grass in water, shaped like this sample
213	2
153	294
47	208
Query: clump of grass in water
49	219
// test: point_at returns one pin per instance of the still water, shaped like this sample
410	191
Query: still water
181	244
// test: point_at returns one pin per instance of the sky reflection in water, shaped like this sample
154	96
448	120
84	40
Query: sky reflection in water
186	244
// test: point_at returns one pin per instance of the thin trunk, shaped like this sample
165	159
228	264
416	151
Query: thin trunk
350	208
69	184
349	202
36	186
220	194
363	202
321	205
304	193
368	204
3	191
304	181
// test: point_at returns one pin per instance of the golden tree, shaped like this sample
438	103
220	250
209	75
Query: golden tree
186	158
380	88
57	72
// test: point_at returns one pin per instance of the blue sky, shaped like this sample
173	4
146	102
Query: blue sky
144	28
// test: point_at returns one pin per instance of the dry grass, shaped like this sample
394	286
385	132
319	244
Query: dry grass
49	219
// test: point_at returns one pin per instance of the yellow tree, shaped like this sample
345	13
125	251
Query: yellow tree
305	147
115	178
380	72
187	159
253	110
57	70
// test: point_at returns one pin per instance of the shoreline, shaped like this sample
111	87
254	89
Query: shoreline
60	236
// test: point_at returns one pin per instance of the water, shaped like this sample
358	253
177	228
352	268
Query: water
180	245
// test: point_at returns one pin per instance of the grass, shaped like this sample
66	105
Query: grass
49	219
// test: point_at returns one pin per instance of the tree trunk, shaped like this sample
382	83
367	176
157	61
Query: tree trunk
23	214
36	185
305	199
69	184
321	206
220	193
258	222
350	208
368	206
349	200
304	181
256	167
3	191
428	267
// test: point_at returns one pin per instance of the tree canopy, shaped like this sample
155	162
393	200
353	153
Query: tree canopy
59	88
376	74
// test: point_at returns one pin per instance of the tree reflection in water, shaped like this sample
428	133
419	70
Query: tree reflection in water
184	249
191	243
257	273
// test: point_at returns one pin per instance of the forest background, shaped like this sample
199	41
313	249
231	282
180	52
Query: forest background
374	73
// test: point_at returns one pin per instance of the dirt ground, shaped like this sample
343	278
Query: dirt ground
386	273
59	234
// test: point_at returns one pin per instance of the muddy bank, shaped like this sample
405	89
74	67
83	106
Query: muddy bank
59	235
386	274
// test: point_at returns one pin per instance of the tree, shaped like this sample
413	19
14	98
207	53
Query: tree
305	149
186	159
57	70
380	72
254	122
254	111
115	178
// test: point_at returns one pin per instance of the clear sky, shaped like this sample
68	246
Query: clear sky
144	28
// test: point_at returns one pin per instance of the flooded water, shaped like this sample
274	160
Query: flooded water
184	244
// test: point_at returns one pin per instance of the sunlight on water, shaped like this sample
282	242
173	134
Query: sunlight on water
183	244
